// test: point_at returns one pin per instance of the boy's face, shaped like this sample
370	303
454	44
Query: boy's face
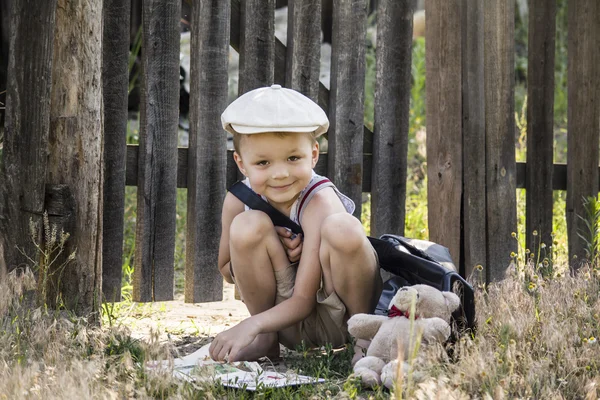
278	165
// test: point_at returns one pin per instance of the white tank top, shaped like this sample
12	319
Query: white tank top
317	182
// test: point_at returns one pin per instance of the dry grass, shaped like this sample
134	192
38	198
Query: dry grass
55	355
536	338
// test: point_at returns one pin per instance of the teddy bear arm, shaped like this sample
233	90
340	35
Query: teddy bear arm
436	330
365	326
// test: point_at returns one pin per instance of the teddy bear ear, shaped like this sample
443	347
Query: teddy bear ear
452	300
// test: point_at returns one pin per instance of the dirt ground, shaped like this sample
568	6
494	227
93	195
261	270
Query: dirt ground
185	325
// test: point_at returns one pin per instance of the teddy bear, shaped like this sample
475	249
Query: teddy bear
388	334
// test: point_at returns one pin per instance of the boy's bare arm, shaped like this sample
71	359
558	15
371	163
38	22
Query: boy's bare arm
232	206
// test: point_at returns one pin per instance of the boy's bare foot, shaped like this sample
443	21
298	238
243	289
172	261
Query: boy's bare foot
265	345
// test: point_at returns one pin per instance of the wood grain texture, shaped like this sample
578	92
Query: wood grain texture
159	115
76	146
207	149
24	166
499	80
540	123
583	118
304	47
257	44
4	47
444	123
115	82
346	101
473	109
392	106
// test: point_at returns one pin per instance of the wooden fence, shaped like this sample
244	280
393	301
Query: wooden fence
472	173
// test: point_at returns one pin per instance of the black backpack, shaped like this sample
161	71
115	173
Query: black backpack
409	261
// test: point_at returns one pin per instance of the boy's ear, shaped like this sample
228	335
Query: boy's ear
315	154
240	164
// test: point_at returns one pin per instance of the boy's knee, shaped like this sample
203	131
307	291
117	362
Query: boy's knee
249	228
343	232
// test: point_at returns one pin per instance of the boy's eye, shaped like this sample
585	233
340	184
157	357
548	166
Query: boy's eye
294	158
262	163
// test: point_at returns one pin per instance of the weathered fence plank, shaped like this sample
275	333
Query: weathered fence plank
444	122
23	172
304	47
473	104
499	77
540	123
257	44
159	114
75	147
4	45
207	149
115	83
583	118
392	106
346	101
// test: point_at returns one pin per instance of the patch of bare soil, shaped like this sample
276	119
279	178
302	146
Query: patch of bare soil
187	326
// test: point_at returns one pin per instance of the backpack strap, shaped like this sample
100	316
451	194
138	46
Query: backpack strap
255	202
314	188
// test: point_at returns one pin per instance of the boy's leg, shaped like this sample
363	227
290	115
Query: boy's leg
256	253
349	264
350	268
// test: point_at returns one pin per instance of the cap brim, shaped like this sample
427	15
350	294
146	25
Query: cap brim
249	130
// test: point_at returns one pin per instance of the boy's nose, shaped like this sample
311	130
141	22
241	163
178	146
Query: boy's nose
279	173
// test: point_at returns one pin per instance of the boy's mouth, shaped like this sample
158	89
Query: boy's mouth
282	187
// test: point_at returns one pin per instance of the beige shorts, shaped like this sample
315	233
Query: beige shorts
326	323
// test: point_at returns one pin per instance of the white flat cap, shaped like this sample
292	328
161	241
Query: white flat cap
274	109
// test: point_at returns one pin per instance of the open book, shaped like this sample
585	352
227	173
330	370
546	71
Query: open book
199	366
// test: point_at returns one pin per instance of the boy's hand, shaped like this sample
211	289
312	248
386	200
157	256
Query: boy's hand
227	344
292	243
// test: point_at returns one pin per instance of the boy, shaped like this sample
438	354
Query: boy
296	288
